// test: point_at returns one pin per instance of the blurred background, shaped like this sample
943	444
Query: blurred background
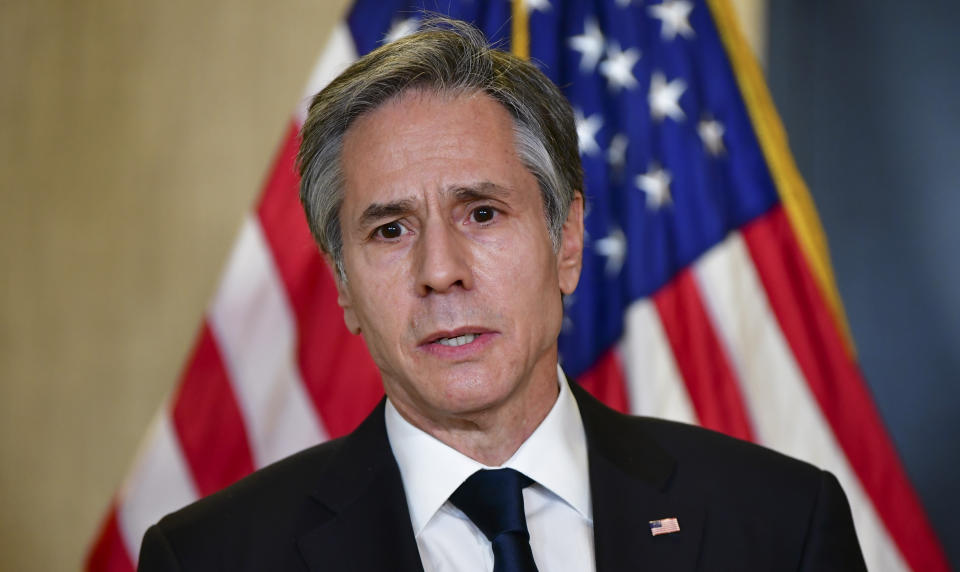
134	137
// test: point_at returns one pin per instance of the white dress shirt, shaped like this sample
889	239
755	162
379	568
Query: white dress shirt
557	505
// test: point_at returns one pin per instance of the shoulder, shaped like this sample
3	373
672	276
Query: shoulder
271	490
255	523
754	496
699	449
730	476
250	524
759	509
715	466
793	514
757	496
743	484
668	450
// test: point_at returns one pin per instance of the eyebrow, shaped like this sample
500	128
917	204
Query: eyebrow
379	211
480	191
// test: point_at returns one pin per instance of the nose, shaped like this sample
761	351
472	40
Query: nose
443	260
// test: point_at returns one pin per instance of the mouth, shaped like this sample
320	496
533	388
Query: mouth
456	338
456	341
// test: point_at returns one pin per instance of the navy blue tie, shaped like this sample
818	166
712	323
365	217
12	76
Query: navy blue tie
493	500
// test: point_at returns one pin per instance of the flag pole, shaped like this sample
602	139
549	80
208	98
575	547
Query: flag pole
520	30
791	187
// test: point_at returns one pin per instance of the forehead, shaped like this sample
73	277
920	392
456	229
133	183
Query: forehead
422	142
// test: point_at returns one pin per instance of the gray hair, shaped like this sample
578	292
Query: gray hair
447	57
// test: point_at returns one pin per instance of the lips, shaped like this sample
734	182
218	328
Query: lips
455	338
457	341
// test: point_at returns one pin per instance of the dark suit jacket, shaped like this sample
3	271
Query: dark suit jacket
340	506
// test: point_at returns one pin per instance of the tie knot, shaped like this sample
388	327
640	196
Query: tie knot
493	500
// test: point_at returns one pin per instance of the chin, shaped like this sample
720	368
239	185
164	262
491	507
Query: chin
473	394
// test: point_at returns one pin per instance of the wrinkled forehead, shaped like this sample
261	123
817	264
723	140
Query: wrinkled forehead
427	95
423	138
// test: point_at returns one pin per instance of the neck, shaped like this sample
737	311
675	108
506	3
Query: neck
493	434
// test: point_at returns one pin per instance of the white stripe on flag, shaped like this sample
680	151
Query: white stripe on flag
159	483
256	332
654	383
783	410
338	54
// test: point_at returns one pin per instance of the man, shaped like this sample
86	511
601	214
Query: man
442	181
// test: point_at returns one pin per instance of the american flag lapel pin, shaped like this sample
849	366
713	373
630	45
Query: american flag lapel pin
664	526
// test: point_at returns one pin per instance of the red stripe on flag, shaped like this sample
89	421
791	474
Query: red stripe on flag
605	381
109	553
836	381
208	420
701	359
339	374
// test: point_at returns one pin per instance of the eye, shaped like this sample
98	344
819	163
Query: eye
483	214
390	231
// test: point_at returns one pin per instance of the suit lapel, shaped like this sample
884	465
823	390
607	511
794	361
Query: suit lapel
630	479
366	524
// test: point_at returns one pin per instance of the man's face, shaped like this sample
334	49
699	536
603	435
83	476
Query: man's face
451	275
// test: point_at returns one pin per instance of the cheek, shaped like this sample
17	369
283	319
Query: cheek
525	278
381	306
376	296
530	266
382	325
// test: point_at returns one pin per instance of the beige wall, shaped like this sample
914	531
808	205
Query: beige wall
133	139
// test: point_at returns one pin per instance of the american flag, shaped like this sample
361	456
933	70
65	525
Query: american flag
664	526
706	293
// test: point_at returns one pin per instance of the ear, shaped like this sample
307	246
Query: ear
344	298
570	256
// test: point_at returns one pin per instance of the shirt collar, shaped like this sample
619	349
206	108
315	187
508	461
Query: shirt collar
555	456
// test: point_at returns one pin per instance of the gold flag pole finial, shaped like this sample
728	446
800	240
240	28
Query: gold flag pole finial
520	30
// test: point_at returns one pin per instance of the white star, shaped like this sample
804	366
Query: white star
674	16
624	3
401	28
656	184
711	133
589	44
614	248
618	67
587	129
617	151
538	5
664	98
